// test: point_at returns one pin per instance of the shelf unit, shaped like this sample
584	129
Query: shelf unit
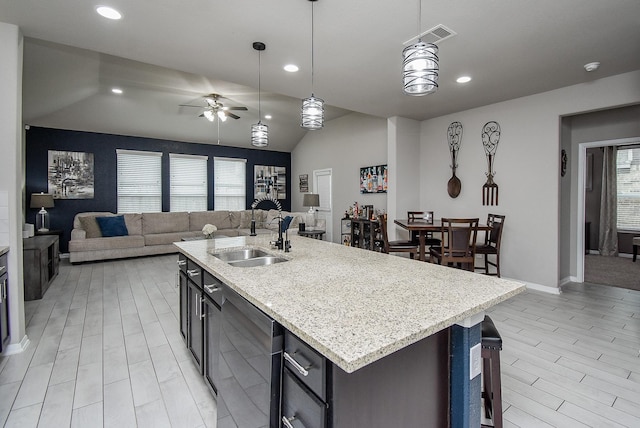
365	234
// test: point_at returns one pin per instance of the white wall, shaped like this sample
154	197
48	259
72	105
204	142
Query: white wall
344	145
11	174
527	167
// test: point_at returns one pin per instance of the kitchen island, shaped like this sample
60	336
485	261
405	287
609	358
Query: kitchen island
365	311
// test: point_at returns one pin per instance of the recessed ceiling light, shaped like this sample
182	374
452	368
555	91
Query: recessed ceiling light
108	12
267	116
116	90
291	68
463	79
592	66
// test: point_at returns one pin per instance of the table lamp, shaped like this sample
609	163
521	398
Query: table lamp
311	200
42	201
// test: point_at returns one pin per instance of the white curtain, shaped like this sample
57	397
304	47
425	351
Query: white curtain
608	242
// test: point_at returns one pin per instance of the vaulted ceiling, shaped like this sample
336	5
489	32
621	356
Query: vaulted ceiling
164	53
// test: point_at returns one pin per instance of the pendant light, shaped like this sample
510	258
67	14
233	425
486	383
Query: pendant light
420	65
312	107
259	132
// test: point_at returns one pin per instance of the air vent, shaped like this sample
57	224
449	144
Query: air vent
434	35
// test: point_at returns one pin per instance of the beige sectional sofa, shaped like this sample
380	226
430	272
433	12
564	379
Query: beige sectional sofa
154	233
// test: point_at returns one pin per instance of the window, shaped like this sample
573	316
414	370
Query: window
188	182
139	181
628	182
229	184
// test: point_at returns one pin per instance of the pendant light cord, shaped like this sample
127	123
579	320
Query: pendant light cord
419	20
312	2
259	88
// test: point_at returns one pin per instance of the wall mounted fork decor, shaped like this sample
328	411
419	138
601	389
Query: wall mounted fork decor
490	140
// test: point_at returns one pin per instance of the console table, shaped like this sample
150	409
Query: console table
41	263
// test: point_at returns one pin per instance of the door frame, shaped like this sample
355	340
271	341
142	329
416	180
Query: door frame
327	210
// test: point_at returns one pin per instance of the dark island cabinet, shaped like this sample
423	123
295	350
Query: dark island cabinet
4	304
195	325
182	290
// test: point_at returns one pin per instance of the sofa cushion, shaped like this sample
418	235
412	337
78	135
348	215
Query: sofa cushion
90	226
134	223
165	238
220	219
165	222
245	218
112	226
235	217
115	243
76	219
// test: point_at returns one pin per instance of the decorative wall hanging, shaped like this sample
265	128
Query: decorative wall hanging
270	182
304	183
454	137
70	175
490	140
563	163
373	179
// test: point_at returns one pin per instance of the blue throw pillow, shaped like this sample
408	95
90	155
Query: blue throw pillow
286	222
112	226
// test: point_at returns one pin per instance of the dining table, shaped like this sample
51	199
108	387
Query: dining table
424	227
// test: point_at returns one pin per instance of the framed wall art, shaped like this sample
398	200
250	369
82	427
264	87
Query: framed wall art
304	183
270	181
70	175
374	179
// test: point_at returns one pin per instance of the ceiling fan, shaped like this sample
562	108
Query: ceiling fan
214	108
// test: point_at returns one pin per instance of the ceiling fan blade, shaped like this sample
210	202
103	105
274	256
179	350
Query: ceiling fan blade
232	115
189	105
202	115
237	108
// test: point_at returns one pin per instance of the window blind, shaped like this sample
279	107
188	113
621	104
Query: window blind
628	185
139	181
229	190
188	182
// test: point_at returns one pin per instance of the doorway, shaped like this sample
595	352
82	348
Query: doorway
583	183
322	186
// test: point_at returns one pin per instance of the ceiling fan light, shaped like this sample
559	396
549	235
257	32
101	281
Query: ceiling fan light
312	113
259	135
222	116
209	115
420	69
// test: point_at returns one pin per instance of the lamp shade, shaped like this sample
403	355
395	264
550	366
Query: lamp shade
311	200
420	69
41	200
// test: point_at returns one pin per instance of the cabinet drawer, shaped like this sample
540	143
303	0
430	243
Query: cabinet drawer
301	407
212	287
194	272
306	359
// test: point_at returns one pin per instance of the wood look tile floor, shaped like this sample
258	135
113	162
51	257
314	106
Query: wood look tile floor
106	351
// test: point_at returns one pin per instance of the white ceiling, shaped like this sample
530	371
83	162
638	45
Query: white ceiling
165	53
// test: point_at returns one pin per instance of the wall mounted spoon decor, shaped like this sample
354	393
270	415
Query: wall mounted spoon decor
490	140
454	136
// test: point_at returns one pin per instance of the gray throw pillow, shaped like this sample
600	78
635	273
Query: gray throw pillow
90	226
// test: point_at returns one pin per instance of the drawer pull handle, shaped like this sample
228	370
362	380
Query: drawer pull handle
182	262
201	308
212	288
287	421
193	272
303	371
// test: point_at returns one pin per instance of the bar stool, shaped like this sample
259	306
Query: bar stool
491	347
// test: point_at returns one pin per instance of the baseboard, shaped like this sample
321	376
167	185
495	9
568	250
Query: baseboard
543	288
16	348
567	280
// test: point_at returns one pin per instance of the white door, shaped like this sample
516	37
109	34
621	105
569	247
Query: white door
322	186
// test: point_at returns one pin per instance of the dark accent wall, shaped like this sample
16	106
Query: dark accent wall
103	146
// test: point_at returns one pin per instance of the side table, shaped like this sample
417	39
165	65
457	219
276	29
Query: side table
316	234
41	263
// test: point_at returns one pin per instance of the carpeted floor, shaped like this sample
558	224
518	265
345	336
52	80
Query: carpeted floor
618	271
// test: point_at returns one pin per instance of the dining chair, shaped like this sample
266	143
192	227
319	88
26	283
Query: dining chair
430	240
458	247
396	246
491	244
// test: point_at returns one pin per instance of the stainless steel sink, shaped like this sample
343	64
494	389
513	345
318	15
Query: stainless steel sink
247	253
248	257
258	261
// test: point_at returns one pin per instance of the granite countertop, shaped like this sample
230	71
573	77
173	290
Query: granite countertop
3	250
353	306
